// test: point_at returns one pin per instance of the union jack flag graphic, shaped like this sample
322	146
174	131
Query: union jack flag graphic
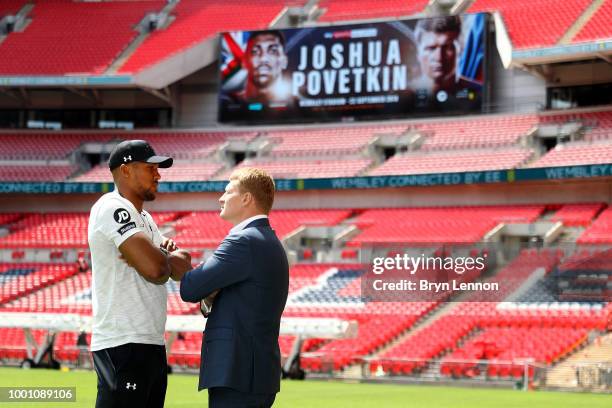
233	45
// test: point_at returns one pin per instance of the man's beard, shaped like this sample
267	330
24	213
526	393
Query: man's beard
147	195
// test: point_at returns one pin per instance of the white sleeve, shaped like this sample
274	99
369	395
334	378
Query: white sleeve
117	222
158	238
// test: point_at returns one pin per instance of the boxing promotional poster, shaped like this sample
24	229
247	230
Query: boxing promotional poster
395	69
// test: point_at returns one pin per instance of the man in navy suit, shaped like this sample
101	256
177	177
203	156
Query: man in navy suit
248	277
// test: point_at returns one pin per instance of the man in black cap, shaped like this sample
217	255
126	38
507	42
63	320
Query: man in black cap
131	262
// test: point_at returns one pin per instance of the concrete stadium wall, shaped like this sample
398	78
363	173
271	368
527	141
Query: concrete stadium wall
513	90
196	99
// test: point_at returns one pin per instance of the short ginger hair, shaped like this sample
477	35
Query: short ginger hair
257	182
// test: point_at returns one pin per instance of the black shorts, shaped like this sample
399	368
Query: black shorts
131	375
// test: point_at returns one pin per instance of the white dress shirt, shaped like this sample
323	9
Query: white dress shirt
242	224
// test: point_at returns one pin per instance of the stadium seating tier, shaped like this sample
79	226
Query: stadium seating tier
598	27
534	23
195	21
339	10
88	39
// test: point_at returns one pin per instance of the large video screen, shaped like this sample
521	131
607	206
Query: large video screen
396	69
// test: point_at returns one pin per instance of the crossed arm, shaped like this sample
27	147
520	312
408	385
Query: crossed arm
155	264
229	264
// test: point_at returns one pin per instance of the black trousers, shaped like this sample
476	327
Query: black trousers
131	375
223	397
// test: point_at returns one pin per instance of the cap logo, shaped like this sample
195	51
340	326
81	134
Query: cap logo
127	158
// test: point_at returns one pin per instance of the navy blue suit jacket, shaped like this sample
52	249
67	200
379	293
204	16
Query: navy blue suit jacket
240	346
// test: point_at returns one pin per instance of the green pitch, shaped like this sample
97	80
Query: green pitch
315	394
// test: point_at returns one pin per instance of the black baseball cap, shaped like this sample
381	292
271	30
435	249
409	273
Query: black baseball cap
130	151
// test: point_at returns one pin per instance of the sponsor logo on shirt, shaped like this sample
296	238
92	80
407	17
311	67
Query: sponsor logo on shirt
126	228
121	216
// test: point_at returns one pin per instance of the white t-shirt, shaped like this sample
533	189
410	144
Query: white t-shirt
126	308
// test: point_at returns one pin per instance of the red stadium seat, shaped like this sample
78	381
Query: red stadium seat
91	36
598	26
449	161
196	21
534	23
338	10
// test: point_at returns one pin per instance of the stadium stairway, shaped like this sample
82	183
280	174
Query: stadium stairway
433	369
355	370
534	23
564	373
18	8
141	38
444	315
88	40
598	26
422	324
417	328
427	321
581	21
570	235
